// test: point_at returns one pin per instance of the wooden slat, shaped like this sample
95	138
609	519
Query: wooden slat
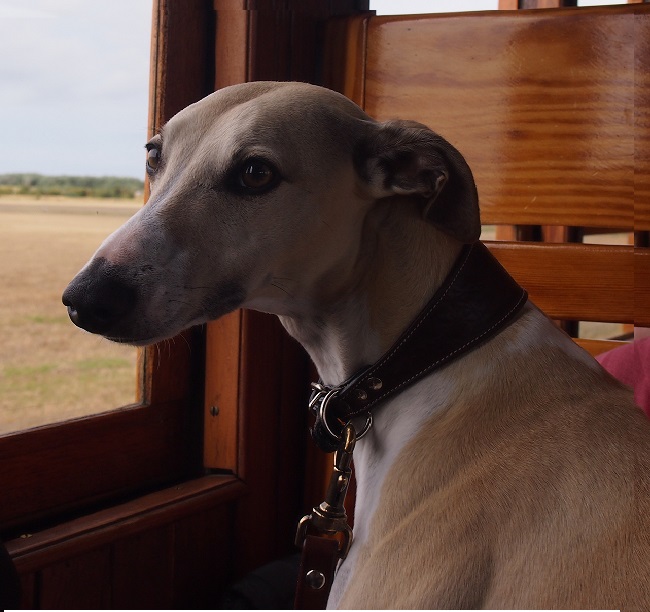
571	281
79	583
87	533
345	49
642	122
203	558
221	410
540	103
642	287
597	347
143	570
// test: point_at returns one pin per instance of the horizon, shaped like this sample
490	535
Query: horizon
75	93
75	77
68	175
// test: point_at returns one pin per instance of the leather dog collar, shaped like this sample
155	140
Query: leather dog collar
477	299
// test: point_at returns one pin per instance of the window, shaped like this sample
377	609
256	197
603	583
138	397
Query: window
390	7
75	87
73	113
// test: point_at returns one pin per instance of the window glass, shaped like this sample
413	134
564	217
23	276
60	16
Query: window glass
599	2
74	98
405	7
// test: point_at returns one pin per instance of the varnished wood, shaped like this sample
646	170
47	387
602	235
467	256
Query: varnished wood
549	107
273	409
596	347
221	404
54	545
172	549
344	61
642	287
232	31
95	458
264	443
143	570
79	583
539	104
642	122
554	276
203	552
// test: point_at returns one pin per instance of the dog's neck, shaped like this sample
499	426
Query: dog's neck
402	261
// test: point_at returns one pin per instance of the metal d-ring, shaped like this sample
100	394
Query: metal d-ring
322	414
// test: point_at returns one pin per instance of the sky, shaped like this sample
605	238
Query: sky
74	77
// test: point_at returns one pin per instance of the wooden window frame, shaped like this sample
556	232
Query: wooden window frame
57	471
252	406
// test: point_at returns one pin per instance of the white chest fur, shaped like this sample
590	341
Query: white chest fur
395	424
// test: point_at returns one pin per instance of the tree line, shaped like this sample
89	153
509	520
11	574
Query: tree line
70	186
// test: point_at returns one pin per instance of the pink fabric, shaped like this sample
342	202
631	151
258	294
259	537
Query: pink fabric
631	365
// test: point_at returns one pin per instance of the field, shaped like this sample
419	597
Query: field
49	369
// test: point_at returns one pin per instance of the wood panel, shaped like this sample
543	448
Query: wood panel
642	287
79	583
273	430
95	458
168	549
345	56
221	404
540	105
642	122
569	281
596	347
257	41
203	553
143	570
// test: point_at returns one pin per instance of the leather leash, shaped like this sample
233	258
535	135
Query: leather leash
477	299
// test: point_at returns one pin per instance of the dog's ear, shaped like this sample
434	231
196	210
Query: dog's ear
407	158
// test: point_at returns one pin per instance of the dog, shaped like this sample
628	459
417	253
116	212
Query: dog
516	475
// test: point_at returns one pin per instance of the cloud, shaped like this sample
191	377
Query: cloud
74	73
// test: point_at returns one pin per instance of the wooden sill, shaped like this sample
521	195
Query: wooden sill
34	551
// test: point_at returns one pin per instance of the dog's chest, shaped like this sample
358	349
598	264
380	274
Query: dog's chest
395	424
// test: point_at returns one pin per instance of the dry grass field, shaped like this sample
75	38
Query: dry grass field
50	370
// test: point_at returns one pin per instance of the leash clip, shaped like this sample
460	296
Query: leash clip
323	430
329	517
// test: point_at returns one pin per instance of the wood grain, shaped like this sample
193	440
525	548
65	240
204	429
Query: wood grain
221	404
541	105
642	121
143	570
571	281
81	582
642	287
54	545
596	347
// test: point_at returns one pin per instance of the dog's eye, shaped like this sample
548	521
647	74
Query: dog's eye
257	176
153	158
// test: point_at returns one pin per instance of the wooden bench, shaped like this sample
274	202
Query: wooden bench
551	110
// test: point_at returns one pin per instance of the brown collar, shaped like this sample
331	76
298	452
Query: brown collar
477	299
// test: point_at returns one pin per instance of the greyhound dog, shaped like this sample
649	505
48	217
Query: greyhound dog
516	475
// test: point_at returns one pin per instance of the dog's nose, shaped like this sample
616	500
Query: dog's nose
98	299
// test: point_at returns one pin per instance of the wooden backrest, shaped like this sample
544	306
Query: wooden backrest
551	110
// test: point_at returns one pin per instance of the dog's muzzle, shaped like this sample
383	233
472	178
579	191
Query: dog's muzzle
100	297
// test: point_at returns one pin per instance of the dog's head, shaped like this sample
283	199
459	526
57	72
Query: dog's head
259	194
